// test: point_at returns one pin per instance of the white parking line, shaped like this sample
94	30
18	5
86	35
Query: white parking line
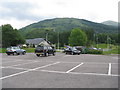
28	71
115	57
99	74
74	68
66	56
16	68
22	64
12	61
109	69
76	73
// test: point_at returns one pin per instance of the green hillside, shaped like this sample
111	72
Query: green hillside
66	24
112	23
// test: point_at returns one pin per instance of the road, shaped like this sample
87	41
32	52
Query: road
60	71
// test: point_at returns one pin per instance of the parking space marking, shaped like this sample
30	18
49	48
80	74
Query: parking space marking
22	64
74	67
99	74
115	57
67	56
12	61
16	68
109	69
51	71
76	73
28	70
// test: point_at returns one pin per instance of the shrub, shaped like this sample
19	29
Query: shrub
91	51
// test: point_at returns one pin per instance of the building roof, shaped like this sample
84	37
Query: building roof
35	41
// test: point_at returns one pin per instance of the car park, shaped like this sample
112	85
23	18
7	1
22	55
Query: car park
72	51
44	50
15	50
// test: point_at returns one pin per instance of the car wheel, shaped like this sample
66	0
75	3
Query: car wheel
24	53
15	53
8	54
78	53
38	55
46	54
18	53
72	53
53	54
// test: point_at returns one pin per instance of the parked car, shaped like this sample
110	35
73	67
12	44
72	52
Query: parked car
15	50
72	50
93	48
64	50
44	50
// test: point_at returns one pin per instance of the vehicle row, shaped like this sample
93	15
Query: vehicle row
41	50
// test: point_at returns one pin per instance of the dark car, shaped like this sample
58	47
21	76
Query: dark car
72	50
44	50
15	50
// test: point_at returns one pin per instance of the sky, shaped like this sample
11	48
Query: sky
20	13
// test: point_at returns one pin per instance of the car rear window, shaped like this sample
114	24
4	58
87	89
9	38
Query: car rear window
39	47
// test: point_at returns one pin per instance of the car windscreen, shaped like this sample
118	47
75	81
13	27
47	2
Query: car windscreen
74	48
15	48
40	47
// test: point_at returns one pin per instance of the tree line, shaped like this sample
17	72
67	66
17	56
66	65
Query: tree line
10	36
74	37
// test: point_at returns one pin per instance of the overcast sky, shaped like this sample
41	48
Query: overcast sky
20	13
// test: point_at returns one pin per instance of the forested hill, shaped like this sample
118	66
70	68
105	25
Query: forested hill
66	24
112	23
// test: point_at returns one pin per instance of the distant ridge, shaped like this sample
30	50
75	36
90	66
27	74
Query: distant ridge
111	23
65	24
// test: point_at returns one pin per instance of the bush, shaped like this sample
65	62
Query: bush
91	51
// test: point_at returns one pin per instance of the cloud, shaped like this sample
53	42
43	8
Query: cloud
21	12
18	10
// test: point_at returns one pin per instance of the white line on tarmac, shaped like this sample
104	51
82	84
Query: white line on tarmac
16	68
75	73
45	66
74	68
109	69
28	71
115	57
12	61
87	62
51	71
22	64
66	56
94	74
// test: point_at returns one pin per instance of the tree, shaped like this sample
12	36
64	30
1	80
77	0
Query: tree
77	37
90	36
10	36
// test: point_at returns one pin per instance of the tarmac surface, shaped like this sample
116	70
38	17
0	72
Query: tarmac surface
59	71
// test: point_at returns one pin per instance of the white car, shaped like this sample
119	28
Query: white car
15	50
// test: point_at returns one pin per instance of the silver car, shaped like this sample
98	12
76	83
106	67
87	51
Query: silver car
15	50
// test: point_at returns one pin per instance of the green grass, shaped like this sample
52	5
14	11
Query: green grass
113	51
103	46
2	50
29	50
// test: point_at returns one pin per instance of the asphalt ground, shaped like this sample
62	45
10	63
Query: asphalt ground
60	71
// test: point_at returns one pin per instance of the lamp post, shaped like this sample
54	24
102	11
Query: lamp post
97	42
58	41
46	36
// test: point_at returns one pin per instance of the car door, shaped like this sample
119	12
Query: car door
18	50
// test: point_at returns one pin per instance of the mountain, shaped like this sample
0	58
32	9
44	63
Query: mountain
111	23
66	24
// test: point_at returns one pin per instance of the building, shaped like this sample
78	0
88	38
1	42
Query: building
36	41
